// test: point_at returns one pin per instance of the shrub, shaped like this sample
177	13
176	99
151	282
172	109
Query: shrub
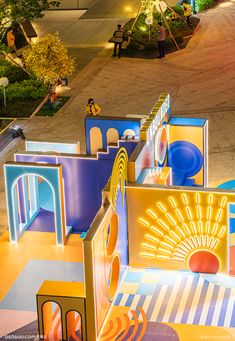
26	90
169	44
133	46
12	72
179	39
178	9
150	47
204	4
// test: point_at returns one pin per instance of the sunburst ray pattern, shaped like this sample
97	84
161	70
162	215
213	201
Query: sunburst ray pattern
183	224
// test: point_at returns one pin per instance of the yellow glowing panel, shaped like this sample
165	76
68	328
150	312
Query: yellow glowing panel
185	221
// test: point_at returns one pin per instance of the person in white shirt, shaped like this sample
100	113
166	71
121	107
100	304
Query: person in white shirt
118	38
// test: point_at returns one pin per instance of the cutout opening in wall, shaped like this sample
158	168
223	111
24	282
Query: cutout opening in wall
113	277
112	234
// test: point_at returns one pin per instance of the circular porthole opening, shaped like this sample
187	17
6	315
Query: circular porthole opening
112	234
113	277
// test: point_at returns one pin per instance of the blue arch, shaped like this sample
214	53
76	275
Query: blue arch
53	176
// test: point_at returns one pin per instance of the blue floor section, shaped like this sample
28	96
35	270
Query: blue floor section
22	295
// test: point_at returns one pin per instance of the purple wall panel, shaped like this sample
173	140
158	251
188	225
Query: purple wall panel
81	188
84	180
81	191
122	243
22	217
35	158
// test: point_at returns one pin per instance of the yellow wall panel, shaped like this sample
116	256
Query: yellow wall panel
167	227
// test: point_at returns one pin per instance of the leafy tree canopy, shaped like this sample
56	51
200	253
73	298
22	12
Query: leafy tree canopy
21	10
48	59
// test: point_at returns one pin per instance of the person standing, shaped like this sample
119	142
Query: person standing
118	38
92	109
161	36
11	40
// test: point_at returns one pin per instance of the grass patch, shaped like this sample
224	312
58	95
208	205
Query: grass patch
50	109
20	109
23	94
4	124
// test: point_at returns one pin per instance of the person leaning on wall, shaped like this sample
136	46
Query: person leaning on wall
92	109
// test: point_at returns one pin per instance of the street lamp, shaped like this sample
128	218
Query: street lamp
4	82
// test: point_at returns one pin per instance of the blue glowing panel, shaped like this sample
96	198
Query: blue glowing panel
232	225
51	174
66	148
105	123
187	121
45	196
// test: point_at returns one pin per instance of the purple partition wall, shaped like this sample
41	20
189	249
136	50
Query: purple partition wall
84	179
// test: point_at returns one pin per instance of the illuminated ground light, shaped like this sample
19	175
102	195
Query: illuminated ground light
186	229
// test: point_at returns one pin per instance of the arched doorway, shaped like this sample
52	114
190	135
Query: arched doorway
44	220
34	203
51	313
96	141
112	136
129	134
74	325
22	188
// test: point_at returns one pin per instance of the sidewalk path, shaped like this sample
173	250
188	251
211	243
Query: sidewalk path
200	80
75	32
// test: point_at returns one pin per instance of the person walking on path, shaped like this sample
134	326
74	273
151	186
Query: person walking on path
92	109
11	40
118	38
161	36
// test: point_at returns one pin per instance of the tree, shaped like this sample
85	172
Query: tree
21	10
48	59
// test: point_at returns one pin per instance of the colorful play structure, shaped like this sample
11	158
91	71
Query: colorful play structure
138	201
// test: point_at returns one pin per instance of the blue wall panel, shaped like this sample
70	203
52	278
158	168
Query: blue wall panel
105	124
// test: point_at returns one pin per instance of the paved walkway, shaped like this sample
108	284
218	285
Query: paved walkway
75	32
200	80
113	9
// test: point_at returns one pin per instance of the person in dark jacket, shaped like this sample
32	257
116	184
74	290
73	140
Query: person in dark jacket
118	38
161	36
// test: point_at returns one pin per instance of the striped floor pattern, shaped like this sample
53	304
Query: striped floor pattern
191	299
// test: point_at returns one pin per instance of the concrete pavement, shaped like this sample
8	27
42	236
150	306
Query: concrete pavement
113	9
200	80
75	32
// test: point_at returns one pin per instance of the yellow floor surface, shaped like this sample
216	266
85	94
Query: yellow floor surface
37	246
